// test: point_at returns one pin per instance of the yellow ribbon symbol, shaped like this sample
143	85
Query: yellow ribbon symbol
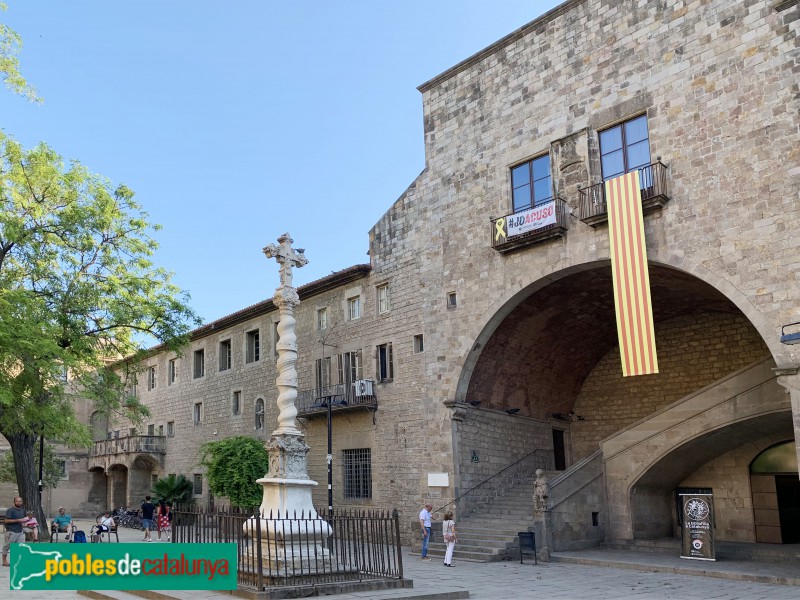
499	226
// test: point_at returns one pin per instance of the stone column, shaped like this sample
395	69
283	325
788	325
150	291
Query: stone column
293	536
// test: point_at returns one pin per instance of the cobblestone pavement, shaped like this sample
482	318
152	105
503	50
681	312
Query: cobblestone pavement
507	580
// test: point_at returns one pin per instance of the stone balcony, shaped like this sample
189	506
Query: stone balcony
125	450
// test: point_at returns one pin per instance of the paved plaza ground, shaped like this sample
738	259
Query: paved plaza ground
558	579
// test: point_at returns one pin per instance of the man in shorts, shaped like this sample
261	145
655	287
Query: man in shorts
148	508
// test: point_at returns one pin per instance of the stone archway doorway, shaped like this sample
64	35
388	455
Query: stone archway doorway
775	489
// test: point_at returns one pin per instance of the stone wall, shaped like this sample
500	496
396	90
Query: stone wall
693	351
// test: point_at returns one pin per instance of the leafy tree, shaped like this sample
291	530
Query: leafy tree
51	475
174	490
10	45
78	292
232	467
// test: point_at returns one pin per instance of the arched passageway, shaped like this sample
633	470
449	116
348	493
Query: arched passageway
545	373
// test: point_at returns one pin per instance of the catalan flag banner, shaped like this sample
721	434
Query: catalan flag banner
637	344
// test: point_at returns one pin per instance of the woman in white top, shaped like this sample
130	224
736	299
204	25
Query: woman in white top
449	534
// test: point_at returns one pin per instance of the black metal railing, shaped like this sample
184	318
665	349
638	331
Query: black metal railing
134	443
503	241
484	495
357	394
279	550
653	184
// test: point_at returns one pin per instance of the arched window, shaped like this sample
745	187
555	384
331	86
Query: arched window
780	458
259	414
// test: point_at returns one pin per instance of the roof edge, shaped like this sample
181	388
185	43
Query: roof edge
502	42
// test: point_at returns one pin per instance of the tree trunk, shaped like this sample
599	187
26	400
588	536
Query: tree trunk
23	449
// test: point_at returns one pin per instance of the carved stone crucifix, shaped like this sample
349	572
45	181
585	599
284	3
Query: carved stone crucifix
287	258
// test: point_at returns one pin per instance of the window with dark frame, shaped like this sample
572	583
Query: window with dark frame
624	148
236	402
357	466
253	351
151	378
197	414
452	301
531	183
385	368
170	428
419	344
225	355
198	485
259	414
199	363
323	372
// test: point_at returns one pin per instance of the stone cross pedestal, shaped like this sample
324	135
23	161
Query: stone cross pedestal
293	535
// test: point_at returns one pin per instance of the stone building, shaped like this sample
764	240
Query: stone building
462	353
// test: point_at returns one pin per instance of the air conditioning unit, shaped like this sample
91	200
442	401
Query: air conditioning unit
362	387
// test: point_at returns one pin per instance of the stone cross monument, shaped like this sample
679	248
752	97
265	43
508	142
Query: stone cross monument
296	535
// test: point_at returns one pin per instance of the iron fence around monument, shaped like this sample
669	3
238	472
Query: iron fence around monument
280	550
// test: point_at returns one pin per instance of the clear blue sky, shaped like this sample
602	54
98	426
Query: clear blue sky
236	121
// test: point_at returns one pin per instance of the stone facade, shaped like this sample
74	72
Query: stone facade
519	345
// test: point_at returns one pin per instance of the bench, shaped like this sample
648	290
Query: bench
527	545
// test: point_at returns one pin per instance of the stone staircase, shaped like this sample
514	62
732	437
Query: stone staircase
489	535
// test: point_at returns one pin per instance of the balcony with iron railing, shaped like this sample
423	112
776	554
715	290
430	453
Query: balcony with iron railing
357	395
653	183
155	444
530	226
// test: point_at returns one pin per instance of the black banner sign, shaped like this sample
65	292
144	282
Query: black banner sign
697	532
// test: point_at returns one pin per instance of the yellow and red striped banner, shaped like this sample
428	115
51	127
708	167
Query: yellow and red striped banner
637	344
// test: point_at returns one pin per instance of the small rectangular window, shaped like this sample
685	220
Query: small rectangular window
198	485
384	304
385	368
357	473
63	473
197	415
236	402
161	430
419	344
151	378
172	371
253	351
151	429
322	319
276	337
225	355
354	308
153	479
170	428
451	300
199	363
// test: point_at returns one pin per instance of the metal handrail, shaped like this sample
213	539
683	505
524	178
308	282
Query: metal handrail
501	471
